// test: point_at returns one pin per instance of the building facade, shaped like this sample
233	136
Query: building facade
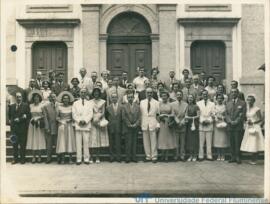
224	40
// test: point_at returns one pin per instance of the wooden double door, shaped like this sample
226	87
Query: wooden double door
127	57
209	56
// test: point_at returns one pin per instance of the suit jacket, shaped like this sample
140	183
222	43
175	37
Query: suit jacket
236	112
142	95
130	115
50	118
198	90
20	127
120	91
240	96
168	83
115	119
87	83
57	88
38	84
82	112
206	113
149	119
123	83
187	91
179	111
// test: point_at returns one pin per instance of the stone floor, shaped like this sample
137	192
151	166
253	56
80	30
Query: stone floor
214	179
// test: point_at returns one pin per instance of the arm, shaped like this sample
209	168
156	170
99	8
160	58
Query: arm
125	118
88	117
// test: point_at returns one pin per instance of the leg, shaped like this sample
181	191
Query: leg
118	146
146	144
128	142
182	145
177	137
78	146
201	144
15	152
134	144
232	140
112	144
209	136
153	144
86	154
237	136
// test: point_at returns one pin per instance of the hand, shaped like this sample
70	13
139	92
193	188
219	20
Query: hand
16	120
24	116
83	122
249	122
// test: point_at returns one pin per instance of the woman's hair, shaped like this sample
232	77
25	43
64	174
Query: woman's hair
96	90
193	102
160	83
33	96
64	96
253	97
155	68
165	92
220	95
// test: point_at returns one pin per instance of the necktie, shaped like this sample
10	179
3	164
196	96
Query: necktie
205	102
17	106
116	89
148	106
83	102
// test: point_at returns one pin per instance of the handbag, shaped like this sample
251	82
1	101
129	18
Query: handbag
103	122
252	130
41	123
13	139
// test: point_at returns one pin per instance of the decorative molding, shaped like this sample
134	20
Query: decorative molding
103	37
56	8
51	22
154	37
208	7
167	7
187	21
90	7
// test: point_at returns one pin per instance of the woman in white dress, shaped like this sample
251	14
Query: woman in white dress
253	140
36	132
66	143
98	134
220	137
46	91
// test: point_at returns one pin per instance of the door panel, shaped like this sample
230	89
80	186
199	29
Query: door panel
208	56
47	56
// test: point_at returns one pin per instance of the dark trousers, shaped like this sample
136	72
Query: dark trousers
21	141
131	144
235	139
115	145
49	143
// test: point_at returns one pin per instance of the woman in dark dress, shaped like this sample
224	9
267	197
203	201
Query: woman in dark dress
75	89
192	121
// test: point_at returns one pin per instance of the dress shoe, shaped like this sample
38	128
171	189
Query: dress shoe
232	161
48	161
39	160
86	162
238	161
78	163
23	161
135	160
209	159
34	160
14	162
200	160
154	161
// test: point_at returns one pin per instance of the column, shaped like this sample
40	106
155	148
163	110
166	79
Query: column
90	30
103	52
167	38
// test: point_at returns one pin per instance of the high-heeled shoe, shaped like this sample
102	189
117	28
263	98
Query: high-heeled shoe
33	160
39	160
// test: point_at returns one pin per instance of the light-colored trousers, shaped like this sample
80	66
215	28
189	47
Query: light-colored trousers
82	139
205	136
150	144
180	142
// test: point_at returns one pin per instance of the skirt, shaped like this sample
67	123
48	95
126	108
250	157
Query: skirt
253	142
98	137
220	138
66	142
35	138
166	137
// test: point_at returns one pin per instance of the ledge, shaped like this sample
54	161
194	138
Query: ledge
185	21
208	7
167	7
90	7
255	80
30	22
49	8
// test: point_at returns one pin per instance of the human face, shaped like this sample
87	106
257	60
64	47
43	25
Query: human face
94	77
220	99
147	83
185	73
160	86
149	93
39	76
61	77
210	81
141	72
195	80
52	98
175	87
179	96
99	84
190	99
83	94
45	85
115	81
124	76
172	74
188	83
18	97
205	95
114	98
234	85
66	100
110	83
83	72
250	100
130	98
220	89
154	73
164	97
234	93
75	83
36	99
32	84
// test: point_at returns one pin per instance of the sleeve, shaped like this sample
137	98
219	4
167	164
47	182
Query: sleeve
46	119
227	115
89	115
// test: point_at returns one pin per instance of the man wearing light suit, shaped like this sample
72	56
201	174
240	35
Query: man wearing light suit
82	113
149	123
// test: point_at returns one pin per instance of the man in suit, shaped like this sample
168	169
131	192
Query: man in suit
131	121
32	86
82	113
198	88
19	115
50	125
188	89
171	80
203	79
142	94
85	81
206	126
235	116
104	79
185	75
124	80
38	80
234	85
179	109
114	116
52	80
116	89
149	123
60	85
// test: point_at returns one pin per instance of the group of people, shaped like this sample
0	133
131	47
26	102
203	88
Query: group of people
177	117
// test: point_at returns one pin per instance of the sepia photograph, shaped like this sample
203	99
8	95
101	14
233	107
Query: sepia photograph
135	101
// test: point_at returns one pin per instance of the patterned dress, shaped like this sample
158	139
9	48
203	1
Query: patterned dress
66	136
253	142
166	138
98	135
36	135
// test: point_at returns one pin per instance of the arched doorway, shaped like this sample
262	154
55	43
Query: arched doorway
208	56
128	44
48	56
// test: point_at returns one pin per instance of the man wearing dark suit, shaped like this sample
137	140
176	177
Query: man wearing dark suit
131	121
124	80
60	85
114	116
19	114
235	115
234	85
142	94
32	86
169	82
50	125
38	80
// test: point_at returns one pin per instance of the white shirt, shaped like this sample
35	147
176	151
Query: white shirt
149	121
139	82
206	114
104	84
86	82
